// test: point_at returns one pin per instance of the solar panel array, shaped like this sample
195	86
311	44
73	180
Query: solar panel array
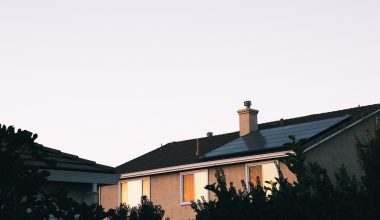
274	137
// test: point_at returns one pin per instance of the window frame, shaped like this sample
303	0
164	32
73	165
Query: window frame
181	174
133	179
248	165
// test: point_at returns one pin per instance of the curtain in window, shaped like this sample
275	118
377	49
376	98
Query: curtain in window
254	172
145	185
188	188
124	192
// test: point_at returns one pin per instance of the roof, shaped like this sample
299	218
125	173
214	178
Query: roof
318	126
63	161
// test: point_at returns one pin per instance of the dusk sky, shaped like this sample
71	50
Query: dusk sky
112	80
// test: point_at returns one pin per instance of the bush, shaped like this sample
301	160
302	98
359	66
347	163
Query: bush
146	210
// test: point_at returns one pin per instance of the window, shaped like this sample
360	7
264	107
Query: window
192	186
133	190
265	171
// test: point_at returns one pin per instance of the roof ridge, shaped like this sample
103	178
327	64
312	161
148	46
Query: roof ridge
366	107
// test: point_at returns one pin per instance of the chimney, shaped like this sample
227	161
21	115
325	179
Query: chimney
209	134
247	119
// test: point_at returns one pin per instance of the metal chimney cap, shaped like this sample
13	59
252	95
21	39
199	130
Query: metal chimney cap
247	103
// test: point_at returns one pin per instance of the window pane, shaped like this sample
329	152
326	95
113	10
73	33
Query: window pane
254	172
188	187
269	172
146	187
134	192
201	180
124	194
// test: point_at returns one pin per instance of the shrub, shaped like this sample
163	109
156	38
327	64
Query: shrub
146	210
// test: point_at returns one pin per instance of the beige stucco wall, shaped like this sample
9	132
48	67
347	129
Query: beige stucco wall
109	196
165	191
342	149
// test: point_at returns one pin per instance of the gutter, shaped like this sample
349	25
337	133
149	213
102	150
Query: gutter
206	164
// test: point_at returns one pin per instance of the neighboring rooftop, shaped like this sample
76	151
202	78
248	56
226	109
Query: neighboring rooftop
63	161
184	152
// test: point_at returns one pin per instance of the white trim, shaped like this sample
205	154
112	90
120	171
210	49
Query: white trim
255	164
181	202
133	179
99	195
340	131
118	193
276	162
207	164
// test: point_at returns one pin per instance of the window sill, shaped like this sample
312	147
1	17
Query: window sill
185	203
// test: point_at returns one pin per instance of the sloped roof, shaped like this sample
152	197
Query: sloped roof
273	138
183	152
63	161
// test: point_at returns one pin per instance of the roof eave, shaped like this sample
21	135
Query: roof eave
205	164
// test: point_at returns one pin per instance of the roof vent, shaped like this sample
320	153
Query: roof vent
209	134
198	148
247	104
281	122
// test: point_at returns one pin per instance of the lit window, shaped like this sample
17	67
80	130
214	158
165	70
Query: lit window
192	186
265	172
133	190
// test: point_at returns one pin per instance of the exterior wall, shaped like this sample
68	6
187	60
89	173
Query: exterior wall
235	173
165	191
341	149
287	174
109	196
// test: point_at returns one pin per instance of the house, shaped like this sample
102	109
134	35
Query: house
175	174
81	178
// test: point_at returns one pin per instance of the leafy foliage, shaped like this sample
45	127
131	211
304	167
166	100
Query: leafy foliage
146	210
313	196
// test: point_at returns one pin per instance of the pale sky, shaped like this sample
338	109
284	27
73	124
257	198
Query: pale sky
112	80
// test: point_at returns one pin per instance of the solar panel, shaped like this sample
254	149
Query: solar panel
274	137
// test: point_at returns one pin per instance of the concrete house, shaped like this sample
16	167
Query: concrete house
175	174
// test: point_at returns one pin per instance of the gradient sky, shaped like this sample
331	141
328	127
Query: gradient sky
111	80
